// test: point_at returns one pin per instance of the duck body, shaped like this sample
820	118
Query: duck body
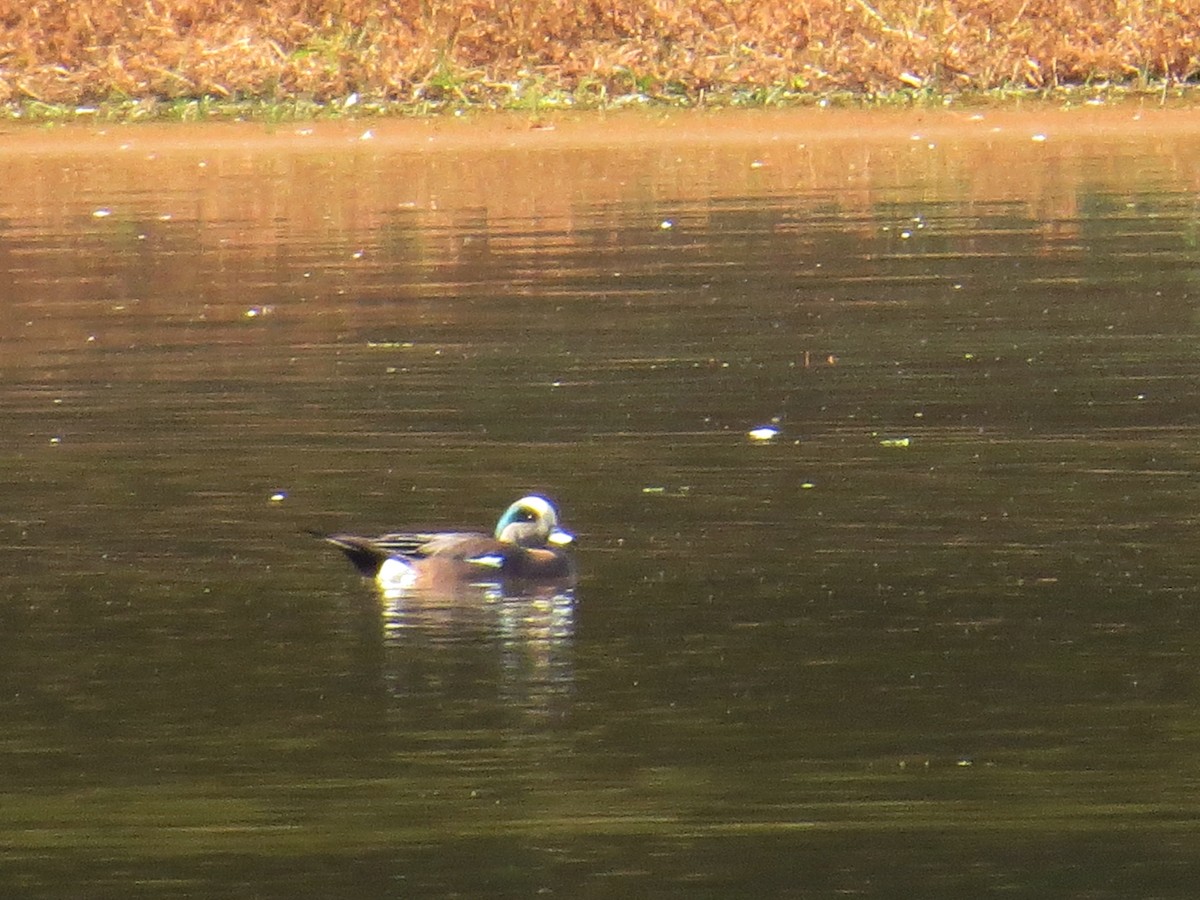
527	549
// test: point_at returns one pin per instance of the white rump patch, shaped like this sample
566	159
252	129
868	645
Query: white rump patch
396	574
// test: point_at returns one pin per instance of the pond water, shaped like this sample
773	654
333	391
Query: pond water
938	637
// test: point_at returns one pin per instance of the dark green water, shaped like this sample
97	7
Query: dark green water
830	664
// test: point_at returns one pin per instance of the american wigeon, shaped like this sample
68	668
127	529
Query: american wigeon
526	549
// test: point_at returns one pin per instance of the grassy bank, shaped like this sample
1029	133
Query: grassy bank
203	57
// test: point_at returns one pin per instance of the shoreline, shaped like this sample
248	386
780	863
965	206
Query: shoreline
1163	95
641	125
587	129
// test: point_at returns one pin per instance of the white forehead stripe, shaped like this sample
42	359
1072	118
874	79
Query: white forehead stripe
539	506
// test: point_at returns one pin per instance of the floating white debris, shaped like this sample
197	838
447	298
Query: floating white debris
807	485
895	442
666	224
659	490
278	496
367	135
758	164
1038	138
101	213
56	441
763	433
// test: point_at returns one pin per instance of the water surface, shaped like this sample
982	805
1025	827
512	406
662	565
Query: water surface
937	638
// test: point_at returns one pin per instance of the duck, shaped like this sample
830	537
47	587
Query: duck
527	548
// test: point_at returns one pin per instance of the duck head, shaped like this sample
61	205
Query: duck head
532	522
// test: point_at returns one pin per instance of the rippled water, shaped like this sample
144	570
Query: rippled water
937	638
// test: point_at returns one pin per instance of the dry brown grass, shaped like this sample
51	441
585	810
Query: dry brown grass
88	51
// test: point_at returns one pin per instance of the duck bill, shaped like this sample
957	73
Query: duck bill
560	538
